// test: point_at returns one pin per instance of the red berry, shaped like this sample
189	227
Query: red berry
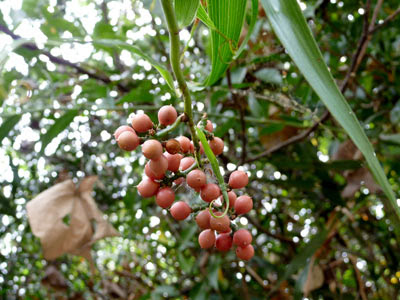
224	242
203	219
196	179
185	143
210	192
238	179
142	123
191	149
209	127
148	188
159	166
245	253
149	173
121	129
232	198
220	224
180	210
173	146
179	181
217	145
243	205
242	238
152	149
167	115
165	197
186	163
207	238
174	160
128	140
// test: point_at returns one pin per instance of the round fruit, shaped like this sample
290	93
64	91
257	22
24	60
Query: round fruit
180	210
207	238
217	145
245	253
173	146
209	192
232	198
191	149
128	140
203	219
167	115
223	242
148	188
142	123
121	129
152	149
209	127
174	160
238	179
220	224
165	197
242	238
186	163
196	179
149	173
243	205
185	143
159	166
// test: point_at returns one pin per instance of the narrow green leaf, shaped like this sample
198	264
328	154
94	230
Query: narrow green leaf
8	125
205	18
291	28
185	11
228	18
253	20
60	124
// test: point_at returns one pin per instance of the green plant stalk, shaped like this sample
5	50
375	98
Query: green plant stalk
175	64
215	166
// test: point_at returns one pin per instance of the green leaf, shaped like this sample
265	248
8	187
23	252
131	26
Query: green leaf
205	18
253	20
138	95
391	138
291	28
8	125
60	124
228	18
185	11
269	75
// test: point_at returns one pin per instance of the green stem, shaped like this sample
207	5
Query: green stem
171	127
215	166
175	64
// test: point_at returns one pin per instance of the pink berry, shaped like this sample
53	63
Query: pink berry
165	197
149	173
223	242
186	163
196	179
191	149
152	149
121	129
179	181
180	210
159	166
238	179
232	198
167	115
174	160
210	192
203	219
220	224
142	123
207	238
242	238
245	253
185	143
209	127
128	140
243	205
148	188
217	145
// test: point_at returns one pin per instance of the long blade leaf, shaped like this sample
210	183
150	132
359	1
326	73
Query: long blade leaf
8	125
185	11
291	28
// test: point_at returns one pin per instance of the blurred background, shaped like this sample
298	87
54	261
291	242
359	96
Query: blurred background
318	224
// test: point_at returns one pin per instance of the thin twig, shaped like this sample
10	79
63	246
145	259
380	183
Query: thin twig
387	20
61	61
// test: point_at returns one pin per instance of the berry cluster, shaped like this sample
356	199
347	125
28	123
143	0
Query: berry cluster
172	163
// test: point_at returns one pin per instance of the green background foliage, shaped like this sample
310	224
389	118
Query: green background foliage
85	66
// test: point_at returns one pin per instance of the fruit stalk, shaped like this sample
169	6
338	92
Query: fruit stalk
175	64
